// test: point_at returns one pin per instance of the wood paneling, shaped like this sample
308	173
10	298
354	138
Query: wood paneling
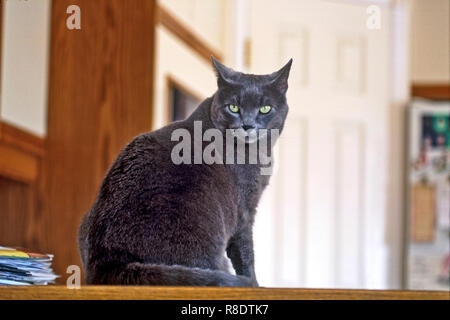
431	91
20	172
202	293
100	97
22	140
16	206
166	19
20	154
17	165
1	59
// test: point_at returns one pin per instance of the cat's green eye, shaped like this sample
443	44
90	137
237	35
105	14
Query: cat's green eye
265	109
233	108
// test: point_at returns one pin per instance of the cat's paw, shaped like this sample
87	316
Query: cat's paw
254	283
233	281
246	282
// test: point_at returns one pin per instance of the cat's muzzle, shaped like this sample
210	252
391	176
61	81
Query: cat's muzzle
248	136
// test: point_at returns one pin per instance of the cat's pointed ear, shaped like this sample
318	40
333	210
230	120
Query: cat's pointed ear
279	79
224	74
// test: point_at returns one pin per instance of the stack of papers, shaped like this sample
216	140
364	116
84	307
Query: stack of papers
21	267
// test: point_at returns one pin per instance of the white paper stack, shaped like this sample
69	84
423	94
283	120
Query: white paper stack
21	267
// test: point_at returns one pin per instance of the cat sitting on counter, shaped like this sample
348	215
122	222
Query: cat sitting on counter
157	221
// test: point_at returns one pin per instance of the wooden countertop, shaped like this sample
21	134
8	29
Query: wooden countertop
208	293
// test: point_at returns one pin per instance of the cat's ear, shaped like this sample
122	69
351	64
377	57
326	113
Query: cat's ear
279	79
224	74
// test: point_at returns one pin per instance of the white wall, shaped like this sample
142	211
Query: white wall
430	41
205	17
177	60
26	38
211	21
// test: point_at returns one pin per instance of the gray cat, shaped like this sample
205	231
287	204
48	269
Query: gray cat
156	222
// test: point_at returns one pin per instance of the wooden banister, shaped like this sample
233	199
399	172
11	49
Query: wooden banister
431	91
20	153
209	293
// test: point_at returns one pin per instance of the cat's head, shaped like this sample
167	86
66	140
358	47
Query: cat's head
250	102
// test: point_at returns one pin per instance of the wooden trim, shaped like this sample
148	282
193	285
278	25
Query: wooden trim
171	23
21	159
1	59
22	140
18	165
171	81
206	293
101	84
21	153
431	91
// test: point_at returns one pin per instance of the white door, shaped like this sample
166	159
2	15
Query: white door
321	222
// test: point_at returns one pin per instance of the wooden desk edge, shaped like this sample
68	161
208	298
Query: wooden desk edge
206	293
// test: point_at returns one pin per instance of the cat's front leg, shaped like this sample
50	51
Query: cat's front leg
240	252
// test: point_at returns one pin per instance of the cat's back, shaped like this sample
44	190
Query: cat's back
145	197
138	168
144	184
144	167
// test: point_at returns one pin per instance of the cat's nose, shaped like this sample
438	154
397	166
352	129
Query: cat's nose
248	127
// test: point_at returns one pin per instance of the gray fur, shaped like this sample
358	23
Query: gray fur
157	223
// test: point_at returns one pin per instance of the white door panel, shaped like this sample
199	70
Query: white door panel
324	210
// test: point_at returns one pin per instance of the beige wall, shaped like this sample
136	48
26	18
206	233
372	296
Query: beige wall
430	37
176	60
26	26
210	20
26	41
205	17
26	38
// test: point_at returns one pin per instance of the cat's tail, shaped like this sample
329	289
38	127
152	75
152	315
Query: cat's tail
163	275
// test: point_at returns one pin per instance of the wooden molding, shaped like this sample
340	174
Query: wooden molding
172	82
171	23
100	97
17	165
22	140
21	154
1	58
431	91
206	293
